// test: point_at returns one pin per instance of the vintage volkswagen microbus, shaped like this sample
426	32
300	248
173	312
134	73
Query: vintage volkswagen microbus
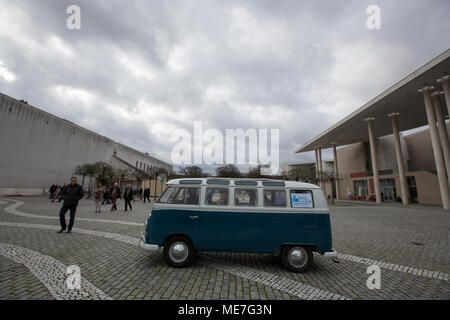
240	215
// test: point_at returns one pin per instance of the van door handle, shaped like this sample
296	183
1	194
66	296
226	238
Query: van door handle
193	217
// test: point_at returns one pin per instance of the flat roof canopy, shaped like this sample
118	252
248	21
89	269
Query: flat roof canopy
402	97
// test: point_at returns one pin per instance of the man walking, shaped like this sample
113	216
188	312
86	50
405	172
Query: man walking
52	191
60	193
147	194
70	194
128	196
115	193
56	192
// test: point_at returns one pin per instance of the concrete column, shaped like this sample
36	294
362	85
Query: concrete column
319	152
400	163
376	178
438	156
336	172
317	163
442	130
446	85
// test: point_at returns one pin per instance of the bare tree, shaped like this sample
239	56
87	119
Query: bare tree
82	170
255	172
192	172
228	171
103	170
330	176
122	174
90	168
300	174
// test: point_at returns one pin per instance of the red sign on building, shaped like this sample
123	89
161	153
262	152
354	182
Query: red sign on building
359	174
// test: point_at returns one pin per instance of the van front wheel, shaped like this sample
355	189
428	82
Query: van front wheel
296	258
179	251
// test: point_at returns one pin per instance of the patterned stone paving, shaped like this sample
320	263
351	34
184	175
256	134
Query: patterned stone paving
104	246
51	273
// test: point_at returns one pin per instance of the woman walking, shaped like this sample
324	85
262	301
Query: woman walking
128	196
98	195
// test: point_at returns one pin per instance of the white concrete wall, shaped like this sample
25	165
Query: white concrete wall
132	156
386	156
38	149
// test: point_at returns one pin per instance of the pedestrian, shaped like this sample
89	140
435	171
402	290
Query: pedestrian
106	197
56	193
60	193
98	195
52	191
115	193
70	194
119	193
147	194
128	196
140	193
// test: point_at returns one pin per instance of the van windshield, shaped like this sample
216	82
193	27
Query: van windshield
166	194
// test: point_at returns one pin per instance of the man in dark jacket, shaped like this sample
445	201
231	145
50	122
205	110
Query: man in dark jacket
70	194
128	196
52	191
147	194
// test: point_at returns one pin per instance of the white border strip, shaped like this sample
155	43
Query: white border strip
396	267
12	209
109	235
284	284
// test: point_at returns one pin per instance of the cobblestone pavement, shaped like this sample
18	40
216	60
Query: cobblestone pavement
409	244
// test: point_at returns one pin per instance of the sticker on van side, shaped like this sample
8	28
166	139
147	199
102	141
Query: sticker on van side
301	199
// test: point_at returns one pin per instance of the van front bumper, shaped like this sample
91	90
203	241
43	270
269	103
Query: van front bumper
146	246
333	255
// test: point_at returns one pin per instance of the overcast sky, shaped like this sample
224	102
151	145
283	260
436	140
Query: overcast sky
137	70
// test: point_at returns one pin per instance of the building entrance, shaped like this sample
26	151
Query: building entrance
361	188
388	192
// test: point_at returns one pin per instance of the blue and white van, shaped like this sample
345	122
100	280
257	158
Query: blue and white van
240	215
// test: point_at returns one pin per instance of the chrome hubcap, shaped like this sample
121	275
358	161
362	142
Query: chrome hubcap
178	251
298	257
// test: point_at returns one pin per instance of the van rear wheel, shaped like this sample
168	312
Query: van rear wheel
296	258
179	251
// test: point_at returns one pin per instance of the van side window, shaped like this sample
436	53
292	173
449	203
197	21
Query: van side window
274	198
302	199
245	197
217	196
184	195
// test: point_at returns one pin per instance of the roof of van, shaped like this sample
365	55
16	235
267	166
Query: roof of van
203	181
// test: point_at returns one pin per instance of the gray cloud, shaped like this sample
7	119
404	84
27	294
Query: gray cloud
139	69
